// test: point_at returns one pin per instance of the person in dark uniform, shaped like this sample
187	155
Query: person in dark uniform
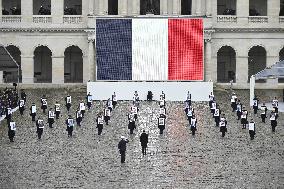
23	95
106	115
33	111
109	104
275	104
234	99
12	130
244	117
131	122
252	129
211	99
89	100
263	109
70	124
39	127
144	142
162	103
188	98
8	114
273	120
43	103
213	106
114	100
100	123
50	117
57	110
223	125
122	148
239	109
22	106
149	96
186	107
68	101
134	109
78	117
255	105
216	115
190	113
161	124
163	112
136	98
82	108
193	125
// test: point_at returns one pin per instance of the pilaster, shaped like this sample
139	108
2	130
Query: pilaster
241	70
57	69
26	10
27	64
57	11
208	8
243	11
91	7
122	7
91	57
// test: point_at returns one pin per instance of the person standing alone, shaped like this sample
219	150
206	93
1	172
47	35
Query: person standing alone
144	142
122	148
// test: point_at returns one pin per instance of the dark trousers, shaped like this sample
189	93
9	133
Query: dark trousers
193	132
114	104
255	110
223	133
100	131
263	116
57	114
89	104
144	150
21	111
39	133
217	120
68	107
131	131
251	133
273	125
83	112
122	155
161	131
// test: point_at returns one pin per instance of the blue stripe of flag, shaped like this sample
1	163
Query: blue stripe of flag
114	49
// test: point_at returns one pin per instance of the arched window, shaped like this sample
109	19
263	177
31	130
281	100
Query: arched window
226	64
12	76
256	61
73	65
42	65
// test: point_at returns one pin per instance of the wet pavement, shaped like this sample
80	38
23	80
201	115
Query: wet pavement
175	159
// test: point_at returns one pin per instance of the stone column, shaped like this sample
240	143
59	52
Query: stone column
27	64
207	64
57	11
91	59
86	69
242	11
135	7
273	9
122	7
57	69
208	8
1	13
91	7
1	77
164	7
242	70
176	7
198	8
26	10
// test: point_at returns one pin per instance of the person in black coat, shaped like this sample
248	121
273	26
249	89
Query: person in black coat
23	95
79	117
33	111
43	103
273	120
12	130
68	100
131	123
114	100
239	109
223	125
89	99
161	124
39	127
122	148
70	124
216	115
144	142
8	114
50	117
263	109
255	105
251	129
193	124
100	123
57	109
22	107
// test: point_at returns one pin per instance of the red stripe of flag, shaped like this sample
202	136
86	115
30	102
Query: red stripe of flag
185	48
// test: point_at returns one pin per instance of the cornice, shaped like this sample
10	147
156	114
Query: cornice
249	30
57	30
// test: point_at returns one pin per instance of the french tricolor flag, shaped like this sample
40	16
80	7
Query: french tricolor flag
149	49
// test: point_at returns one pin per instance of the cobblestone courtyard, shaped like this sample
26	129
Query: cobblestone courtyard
174	160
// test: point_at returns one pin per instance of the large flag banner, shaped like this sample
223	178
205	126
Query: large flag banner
149	49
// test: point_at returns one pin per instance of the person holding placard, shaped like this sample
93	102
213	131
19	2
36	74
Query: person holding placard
193	124
100	123
22	106
188	98
33	111
223	125
109	104
162	96
244	117
68	101
8	114
12	130
50	117
78	117
161	124
43	103
255	105
134	109
70	124
162	112
89	100
251	129
190	113
239	109
39	127
263	109
57	110
82	108
114	100
136	98
106	115
211	99
273	120
213	106
234	102
275	104
216	115
131	122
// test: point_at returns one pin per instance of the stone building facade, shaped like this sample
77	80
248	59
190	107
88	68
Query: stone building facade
54	40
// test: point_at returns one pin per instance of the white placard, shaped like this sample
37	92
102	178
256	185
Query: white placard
90	98
13	126
68	99
44	102
70	122
161	121
33	109
40	124
82	106
251	126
